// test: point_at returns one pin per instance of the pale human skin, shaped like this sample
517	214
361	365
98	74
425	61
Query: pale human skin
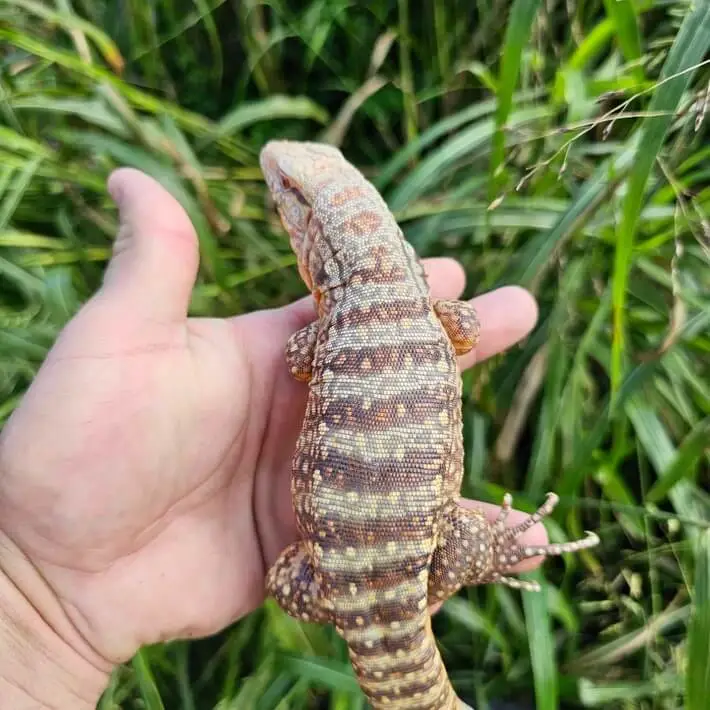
144	480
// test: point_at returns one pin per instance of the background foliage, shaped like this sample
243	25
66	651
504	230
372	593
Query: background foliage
560	145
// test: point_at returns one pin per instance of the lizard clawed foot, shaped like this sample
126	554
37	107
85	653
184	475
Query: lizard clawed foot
300	349
460	322
508	552
472	551
292	582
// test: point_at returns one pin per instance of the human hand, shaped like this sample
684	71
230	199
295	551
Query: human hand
144	480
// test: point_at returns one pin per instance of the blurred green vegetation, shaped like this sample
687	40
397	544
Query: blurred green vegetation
559	145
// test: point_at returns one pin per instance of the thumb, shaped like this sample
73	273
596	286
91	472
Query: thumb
155	256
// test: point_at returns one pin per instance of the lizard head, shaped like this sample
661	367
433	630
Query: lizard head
294	172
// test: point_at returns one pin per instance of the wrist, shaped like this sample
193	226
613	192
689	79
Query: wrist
44	663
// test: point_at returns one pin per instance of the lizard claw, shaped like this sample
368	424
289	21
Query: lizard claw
508	552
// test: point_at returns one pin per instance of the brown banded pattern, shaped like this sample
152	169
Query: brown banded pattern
380	428
378	463
376	446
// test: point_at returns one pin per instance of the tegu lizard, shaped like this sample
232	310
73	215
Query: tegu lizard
379	461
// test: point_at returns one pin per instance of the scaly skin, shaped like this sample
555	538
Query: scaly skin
378	465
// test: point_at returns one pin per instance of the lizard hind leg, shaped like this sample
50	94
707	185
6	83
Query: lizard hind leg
509	552
293	583
473	551
460	321
462	551
300	350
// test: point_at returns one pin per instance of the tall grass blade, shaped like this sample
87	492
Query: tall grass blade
685	462
517	33
623	15
71	22
146	681
542	652
689	47
698	671
274	107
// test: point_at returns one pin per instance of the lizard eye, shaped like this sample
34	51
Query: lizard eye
290	186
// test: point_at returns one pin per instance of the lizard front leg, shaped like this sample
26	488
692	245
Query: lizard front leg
460	322
292	582
300	350
472	550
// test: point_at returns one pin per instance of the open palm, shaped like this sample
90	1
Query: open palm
146	474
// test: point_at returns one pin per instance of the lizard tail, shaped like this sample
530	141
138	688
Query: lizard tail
403	669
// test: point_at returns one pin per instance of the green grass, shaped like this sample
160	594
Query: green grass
563	146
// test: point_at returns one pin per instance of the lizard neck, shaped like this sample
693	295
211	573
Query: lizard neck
352	238
370	274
